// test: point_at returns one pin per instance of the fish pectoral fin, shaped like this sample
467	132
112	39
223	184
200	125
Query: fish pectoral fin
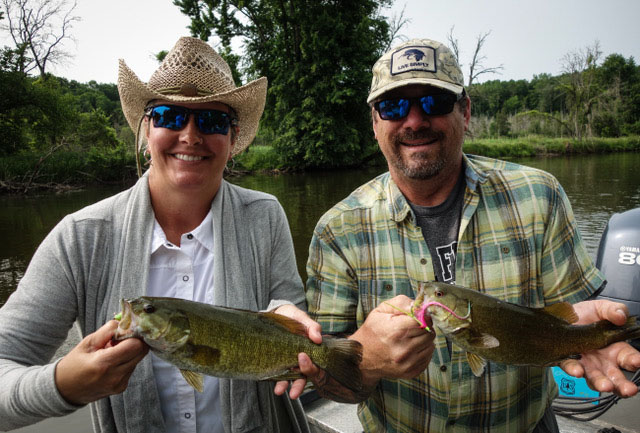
484	341
202	355
563	311
196	380
476	363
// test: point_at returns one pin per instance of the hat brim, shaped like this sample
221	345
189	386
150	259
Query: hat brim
248	102
413	81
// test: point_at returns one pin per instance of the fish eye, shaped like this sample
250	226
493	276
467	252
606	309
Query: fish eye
148	308
439	293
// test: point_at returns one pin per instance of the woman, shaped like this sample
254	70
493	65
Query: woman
181	231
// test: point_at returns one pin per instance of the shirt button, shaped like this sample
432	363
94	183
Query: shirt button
505	250
443	368
388	287
423	261
187	415
185	278
189	236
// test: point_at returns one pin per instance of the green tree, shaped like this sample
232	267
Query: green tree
544	94
52	115
500	126
580	86
317	57
620	106
94	130
14	94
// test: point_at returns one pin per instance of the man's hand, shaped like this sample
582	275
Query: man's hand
394	345
97	368
314	334
602	368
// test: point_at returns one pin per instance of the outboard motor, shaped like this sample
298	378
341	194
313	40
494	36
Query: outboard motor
619	260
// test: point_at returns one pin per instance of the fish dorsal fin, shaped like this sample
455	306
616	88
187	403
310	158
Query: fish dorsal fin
484	341
196	380
476	363
563	311
288	324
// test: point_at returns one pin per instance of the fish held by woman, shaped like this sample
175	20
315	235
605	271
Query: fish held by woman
225	342
491	329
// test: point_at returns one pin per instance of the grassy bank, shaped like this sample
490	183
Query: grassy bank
30	171
63	169
266	158
543	146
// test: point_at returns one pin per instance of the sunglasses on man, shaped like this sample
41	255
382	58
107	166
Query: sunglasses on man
432	105
175	117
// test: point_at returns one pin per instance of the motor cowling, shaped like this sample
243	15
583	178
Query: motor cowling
619	260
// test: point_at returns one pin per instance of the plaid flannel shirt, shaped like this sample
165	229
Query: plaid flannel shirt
518	241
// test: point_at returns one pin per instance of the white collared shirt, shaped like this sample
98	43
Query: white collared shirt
184	272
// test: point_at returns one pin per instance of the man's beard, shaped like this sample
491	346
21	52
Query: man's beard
422	165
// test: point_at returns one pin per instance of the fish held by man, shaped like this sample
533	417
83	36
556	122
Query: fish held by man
491	329
225	342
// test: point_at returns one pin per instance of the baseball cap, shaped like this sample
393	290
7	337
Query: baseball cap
417	61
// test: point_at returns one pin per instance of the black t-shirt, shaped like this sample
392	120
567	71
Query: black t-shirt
440	225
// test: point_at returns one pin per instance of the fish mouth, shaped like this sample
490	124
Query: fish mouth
429	309
127	325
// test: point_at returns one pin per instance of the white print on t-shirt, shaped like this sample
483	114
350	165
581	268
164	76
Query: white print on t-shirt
447	255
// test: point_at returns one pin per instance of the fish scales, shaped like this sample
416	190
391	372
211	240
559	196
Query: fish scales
201	339
238	335
495	330
538	338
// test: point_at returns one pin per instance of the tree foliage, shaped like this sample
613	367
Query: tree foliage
39	114
591	98
317	56
318	59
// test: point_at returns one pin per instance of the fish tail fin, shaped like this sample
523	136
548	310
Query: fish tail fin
632	328
628	331
344	361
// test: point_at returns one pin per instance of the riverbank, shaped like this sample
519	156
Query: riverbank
545	146
28	172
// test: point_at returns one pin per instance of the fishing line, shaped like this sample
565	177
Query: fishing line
587	408
453	313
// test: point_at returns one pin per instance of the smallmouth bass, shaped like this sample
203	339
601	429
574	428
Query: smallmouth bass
491	329
225	342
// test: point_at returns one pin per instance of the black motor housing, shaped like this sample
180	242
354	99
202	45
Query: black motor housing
619	260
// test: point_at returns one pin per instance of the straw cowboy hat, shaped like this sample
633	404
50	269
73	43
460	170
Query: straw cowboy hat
193	72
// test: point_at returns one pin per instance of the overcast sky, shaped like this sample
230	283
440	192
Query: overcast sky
527	37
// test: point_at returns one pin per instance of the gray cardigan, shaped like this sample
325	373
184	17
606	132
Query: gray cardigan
100	254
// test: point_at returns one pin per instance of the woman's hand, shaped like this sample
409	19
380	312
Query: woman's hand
314	334
602	368
97	368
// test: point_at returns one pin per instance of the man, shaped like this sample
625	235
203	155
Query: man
497	227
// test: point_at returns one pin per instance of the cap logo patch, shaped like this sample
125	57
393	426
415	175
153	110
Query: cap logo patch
417	58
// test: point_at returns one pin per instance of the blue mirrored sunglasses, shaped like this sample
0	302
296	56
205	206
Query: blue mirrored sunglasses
176	117
433	105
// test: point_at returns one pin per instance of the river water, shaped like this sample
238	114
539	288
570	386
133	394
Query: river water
597	185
